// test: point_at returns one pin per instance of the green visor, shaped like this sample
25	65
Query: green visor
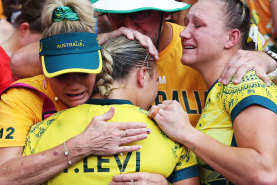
77	52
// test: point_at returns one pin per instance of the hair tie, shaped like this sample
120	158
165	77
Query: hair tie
256	37
65	13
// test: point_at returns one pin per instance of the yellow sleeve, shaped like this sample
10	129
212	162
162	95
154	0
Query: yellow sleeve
36	133
186	166
252	90
19	109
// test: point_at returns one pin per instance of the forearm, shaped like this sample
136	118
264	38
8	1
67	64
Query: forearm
38	168
239	165
25	62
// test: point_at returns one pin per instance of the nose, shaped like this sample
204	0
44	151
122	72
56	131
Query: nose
186	33
74	80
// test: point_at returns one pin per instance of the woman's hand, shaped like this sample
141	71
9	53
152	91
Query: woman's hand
140	178
172	119
131	34
102	138
244	61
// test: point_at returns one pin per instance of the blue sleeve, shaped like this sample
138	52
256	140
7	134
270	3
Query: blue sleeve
253	100
182	174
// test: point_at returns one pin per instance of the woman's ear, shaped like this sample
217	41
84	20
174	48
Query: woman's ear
24	28
232	39
141	76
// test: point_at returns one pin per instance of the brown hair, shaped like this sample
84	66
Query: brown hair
238	16
31	13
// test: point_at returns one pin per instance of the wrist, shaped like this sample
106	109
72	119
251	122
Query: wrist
77	147
273	73
188	137
274	57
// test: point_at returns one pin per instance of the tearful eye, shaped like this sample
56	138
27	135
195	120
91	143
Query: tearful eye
62	77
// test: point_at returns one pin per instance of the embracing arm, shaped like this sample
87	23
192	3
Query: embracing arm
253	162
99	138
25	62
36	168
131	34
244	61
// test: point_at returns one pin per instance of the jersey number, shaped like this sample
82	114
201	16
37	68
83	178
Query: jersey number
9	132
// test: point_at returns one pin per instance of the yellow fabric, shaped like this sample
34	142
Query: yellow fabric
20	108
1	11
259	42
261	15
223	104
179	82
158	154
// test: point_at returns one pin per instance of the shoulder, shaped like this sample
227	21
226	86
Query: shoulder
250	91
27	88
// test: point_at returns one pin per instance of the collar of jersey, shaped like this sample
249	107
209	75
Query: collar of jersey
108	101
212	87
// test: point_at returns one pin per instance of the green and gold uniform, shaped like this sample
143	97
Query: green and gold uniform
223	105
20	108
158	154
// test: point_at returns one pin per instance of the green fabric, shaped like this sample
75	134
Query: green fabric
65	13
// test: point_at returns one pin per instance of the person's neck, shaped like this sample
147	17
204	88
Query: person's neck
120	91
211	70
165	37
12	44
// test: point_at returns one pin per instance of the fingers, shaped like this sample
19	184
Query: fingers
134	132
166	105
244	61
229	71
153	111
143	39
262	75
241	71
147	42
126	149
105	117
129	125
130	139
127	177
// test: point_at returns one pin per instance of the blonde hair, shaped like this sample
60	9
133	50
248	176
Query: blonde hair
84	10
120	55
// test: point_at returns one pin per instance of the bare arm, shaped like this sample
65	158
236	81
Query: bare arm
25	61
37	168
253	162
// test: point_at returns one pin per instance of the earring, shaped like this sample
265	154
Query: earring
45	83
56	98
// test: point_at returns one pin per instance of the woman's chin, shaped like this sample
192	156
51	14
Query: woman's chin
187	61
